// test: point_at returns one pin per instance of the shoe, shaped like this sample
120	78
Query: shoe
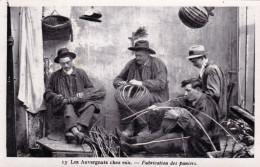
144	132
86	148
121	137
80	137
129	131
70	138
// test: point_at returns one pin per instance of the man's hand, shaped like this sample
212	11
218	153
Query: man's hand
65	101
172	114
59	98
80	95
122	83
153	107
135	82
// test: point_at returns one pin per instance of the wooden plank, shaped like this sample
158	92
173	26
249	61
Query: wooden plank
10	101
35	128
243	112
60	146
250	59
233	74
71	154
242	56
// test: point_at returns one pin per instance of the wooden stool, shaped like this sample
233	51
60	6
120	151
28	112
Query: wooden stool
61	148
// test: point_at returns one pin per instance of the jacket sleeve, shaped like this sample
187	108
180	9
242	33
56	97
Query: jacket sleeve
86	81
50	96
160	80
123	75
213	84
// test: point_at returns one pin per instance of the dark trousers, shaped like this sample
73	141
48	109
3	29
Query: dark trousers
138	123
176	146
73	118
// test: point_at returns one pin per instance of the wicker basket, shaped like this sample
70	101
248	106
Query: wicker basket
193	17
56	27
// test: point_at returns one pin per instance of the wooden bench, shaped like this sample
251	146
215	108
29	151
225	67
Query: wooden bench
60	148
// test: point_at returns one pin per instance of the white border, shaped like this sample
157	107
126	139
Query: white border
4	161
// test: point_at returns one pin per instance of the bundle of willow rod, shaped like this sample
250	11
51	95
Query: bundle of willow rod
103	143
132	97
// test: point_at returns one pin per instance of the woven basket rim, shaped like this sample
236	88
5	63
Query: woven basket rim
58	25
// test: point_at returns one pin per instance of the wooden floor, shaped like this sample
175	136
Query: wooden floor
63	149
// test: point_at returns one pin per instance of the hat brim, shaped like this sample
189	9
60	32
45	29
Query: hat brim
72	55
196	56
142	48
94	15
84	17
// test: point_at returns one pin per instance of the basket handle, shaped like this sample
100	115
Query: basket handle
54	11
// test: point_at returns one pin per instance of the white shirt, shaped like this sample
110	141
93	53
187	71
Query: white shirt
69	72
202	69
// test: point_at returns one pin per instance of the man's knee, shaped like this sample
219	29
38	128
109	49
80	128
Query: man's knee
69	110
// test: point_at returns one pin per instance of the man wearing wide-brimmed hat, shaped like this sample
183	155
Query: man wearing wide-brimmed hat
213	78
144	70
64	85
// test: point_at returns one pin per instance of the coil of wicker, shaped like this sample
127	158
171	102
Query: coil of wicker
133	97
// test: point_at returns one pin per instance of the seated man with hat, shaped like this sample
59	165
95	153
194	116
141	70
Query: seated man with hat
65	87
213	79
144	70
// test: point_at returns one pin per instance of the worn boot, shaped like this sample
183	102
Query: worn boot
144	132
80	137
70	138
129	131
122	138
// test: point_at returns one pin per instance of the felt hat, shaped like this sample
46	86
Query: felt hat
142	45
91	15
62	52
196	51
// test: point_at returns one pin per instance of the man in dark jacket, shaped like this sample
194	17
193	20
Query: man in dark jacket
189	120
146	71
66	87
213	79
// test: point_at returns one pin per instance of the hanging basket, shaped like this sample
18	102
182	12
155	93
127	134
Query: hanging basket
194	17
56	27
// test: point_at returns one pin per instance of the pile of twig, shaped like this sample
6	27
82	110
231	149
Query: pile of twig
104	143
244	136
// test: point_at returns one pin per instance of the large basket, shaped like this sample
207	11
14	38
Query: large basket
132	97
193	17
56	27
